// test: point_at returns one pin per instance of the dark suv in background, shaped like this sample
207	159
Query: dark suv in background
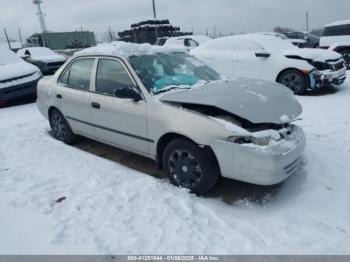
311	41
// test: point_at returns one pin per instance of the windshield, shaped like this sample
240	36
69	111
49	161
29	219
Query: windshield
7	56
161	72
276	44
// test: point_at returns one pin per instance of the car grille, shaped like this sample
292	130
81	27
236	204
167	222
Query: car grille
15	78
55	64
18	88
335	64
338	66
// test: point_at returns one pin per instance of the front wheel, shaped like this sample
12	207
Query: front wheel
294	80
190	167
60	128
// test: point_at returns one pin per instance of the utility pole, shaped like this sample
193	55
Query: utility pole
154	9
20	36
40	15
307	21
7	38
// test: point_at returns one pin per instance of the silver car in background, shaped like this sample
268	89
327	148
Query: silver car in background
170	107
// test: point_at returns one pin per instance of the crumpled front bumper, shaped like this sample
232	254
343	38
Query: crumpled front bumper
319	79
260	165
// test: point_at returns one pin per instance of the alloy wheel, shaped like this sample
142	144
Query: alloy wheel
59	126
185	168
293	81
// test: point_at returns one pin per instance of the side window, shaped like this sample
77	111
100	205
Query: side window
111	75
64	77
78	75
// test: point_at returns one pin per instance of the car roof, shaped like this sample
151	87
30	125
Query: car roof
335	23
123	50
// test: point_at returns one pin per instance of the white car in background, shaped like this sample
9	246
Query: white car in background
336	37
17	77
46	59
269	58
186	43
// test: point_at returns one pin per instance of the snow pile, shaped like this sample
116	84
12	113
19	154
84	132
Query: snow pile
124	49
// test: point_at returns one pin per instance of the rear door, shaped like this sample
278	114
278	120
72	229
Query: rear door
118	121
73	94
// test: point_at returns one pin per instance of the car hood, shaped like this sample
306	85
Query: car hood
48	58
257	101
17	69
319	55
297	41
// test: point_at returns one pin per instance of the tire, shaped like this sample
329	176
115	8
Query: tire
294	80
60	128
189	166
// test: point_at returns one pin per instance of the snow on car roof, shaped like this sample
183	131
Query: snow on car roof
335	23
265	41
124	49
37	51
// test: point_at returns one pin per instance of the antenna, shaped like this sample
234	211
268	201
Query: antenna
40	15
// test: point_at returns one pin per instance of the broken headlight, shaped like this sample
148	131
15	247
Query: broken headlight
320	65
260	141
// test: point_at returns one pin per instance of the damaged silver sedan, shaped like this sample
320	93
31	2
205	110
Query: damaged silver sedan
170	107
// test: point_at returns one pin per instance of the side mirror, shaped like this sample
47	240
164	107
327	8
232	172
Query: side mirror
263	54
128	93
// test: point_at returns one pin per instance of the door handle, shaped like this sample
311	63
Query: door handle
95	105
59	96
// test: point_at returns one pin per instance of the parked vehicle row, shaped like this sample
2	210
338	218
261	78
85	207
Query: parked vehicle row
20	73
273	59
174	109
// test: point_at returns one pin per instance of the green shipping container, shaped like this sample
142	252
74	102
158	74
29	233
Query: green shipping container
63	40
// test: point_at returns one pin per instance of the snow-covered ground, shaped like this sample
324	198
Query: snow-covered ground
57	199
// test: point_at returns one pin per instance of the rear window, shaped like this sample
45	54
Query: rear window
337	30
78	75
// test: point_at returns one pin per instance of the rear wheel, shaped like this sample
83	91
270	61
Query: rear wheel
294	80
189	166
60	128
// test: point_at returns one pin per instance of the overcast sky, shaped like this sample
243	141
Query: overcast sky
229	16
